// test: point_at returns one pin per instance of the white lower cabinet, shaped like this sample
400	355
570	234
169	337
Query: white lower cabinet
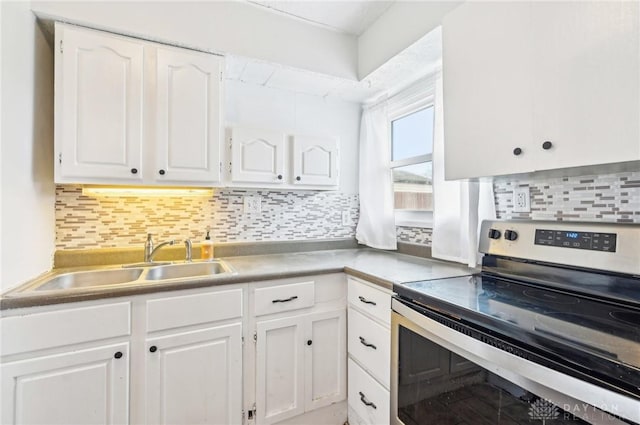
86	386
367	398
193	357
280	348
300	356
182	357
195	377
66	365
369	339
301	364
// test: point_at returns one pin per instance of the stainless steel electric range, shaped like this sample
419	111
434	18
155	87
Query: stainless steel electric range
548	331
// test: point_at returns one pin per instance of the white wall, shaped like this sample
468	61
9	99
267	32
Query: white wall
264	107
219	26
27	190
399	27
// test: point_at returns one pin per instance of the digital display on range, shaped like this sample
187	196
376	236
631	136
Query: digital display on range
579	240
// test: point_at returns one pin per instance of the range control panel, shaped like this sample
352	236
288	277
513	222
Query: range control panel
613	247
578	240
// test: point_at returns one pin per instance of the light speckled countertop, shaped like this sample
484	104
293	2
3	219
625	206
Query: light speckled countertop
380	267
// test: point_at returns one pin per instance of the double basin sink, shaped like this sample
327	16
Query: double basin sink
143	274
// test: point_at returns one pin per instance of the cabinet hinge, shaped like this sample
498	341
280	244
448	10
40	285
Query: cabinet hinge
251	414
61	49
220	167
230	167
60	158
221	76
255	337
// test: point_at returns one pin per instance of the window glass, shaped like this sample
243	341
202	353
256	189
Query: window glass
412	135
412	187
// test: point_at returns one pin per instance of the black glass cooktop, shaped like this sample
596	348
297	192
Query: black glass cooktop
592	334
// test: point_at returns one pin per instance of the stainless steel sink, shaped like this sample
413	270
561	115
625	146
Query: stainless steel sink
89	279
178	271
127	275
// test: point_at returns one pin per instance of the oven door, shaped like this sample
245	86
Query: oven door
440	375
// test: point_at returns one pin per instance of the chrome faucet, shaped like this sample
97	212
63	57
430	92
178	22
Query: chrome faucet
187	247
150	250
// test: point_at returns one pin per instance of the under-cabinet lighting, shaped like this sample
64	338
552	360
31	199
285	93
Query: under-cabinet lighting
132	191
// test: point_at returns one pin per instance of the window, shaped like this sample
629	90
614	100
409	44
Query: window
411	139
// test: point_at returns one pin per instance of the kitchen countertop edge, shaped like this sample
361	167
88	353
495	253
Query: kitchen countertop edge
336	265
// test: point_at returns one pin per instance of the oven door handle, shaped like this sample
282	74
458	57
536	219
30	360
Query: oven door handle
367	344
364	400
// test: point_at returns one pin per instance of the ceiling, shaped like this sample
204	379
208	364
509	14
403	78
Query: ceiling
350	17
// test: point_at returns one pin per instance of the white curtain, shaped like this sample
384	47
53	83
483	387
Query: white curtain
376	226
459	207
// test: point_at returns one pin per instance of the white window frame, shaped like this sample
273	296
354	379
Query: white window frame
399	109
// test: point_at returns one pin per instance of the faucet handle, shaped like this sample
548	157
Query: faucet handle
188	245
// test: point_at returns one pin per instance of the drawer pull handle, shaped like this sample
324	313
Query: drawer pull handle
366	301
364	400
286	300
366	344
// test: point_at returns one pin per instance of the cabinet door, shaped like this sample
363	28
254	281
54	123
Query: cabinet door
280	369
586	82
79	387
315	161
487	74
98	107
195	377
188	116
257	156
326	359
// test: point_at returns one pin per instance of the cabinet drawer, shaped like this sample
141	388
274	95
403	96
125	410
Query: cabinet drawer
363	389
58	328
369	343
174	312
276	299
373	301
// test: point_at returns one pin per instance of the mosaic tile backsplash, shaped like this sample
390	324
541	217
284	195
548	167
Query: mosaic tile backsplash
417	235
604	198
107	222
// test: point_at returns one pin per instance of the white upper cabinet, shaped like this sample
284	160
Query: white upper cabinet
532	86
586	84
134	112
188	116
315	161
99	85
257	156
269	158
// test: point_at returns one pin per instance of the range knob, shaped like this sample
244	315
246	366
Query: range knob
510	235
494	234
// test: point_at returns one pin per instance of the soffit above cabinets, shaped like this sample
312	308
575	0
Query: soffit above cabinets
349	17
418	60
